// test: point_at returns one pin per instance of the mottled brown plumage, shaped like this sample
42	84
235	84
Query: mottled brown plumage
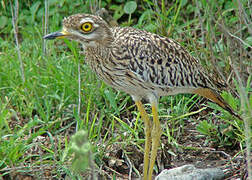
143	64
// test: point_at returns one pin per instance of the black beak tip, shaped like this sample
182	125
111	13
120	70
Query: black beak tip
53	35
49	36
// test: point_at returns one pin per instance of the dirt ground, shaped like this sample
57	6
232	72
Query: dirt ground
124	162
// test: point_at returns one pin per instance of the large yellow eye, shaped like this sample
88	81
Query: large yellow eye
87	26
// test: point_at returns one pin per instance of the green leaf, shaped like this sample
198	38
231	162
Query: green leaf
118	11
150	27
130	7
248	40
205	128
144	17
183	3
3	21
111	97
34	9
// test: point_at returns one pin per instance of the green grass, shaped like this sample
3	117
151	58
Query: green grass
44	108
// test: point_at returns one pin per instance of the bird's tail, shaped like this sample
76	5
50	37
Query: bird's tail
215	97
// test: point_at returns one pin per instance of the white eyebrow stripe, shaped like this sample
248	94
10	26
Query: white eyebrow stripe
89	20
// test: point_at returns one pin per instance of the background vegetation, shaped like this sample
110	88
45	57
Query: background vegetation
47	93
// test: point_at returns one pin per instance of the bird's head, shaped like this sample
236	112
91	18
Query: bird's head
87	29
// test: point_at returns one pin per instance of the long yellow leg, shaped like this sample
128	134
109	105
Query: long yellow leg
155	135
147	124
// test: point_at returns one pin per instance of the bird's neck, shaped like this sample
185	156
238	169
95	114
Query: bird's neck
99	51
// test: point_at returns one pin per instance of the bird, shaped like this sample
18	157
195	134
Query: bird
144	65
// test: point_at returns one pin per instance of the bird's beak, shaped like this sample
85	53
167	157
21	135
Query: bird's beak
57	35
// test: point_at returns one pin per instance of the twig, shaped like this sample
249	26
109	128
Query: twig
247	121
114	171
15	27
32	168
101	171
222	152
233	36
130	165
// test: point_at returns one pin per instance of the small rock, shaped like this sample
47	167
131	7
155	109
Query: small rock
190	172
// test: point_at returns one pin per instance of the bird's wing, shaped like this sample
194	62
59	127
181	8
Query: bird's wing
160	61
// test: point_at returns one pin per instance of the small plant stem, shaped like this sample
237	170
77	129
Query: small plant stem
129	19
201	21
15	27
245	105
245	18
45	25
79	88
